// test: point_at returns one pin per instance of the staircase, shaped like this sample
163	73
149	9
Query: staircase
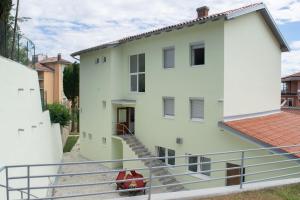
142	152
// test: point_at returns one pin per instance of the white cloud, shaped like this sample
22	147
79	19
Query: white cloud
69	25
291	60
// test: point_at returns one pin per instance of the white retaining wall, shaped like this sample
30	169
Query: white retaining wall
26	133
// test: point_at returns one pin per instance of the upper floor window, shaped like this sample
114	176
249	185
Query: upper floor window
169	107
137	73
169	57
197	109
197	54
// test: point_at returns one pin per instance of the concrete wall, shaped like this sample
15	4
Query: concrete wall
27	135
252	64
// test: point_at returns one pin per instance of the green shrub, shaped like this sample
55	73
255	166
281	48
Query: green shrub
59	114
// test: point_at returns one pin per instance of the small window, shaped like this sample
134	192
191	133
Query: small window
97	61
197	54
197	109
192	160
165	153
169	104
205	165
103	59
169	57
171	153
199	164
137	73
161	153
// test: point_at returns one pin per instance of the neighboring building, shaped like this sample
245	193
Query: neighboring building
290	90
177	88
50	72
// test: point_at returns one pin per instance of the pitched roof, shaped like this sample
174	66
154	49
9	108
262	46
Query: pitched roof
54	60
281	129
227	15
291	77
41	67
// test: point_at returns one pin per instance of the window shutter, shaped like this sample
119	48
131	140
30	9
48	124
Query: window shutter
169	106
197	108
169	58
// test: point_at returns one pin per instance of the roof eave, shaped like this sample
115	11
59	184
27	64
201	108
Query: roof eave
269	20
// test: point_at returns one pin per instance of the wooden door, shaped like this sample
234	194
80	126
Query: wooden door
233	172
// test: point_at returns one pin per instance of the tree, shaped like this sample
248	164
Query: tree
71	89
5	7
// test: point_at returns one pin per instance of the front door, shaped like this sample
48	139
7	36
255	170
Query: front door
233	172
125	120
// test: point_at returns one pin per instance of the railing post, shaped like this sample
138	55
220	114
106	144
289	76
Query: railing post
150	181
242	169
7	183
28	182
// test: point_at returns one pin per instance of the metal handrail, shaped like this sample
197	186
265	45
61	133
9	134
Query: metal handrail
157	158
151	169
124	127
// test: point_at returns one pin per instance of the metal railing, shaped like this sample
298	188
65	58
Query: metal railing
123	130
261	164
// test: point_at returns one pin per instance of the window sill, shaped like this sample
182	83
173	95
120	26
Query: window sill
200	176
197	120
169	117
195	66
167	68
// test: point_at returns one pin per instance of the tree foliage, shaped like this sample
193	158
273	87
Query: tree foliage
59	114
71	82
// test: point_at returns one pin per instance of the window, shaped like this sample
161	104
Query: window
169	57
137	73
169	104
197	109
166	154
97	61
201	164
197	54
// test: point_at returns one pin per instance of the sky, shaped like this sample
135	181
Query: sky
66	26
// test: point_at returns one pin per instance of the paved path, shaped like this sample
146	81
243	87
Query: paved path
74	156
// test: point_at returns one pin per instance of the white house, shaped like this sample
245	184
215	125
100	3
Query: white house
176	88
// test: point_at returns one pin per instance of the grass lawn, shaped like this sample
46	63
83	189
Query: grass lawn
291	192
71	141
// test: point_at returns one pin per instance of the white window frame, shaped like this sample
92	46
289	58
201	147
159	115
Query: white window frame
163	57
163	110
198	174
166	155
190	107
202	44
137	73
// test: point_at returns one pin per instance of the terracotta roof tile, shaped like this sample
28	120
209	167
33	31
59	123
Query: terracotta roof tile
41	67
53	60
279	129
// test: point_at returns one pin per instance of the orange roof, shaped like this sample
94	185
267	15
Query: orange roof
40	67
282	129
54	60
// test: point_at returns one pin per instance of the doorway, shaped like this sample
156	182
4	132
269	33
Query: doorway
125	120
234	172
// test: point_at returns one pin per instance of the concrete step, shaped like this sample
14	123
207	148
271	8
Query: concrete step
175	188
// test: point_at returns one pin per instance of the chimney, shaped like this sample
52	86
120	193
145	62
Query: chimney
202	11
59	57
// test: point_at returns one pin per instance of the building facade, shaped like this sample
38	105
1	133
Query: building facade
50	72
173	86
290	90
